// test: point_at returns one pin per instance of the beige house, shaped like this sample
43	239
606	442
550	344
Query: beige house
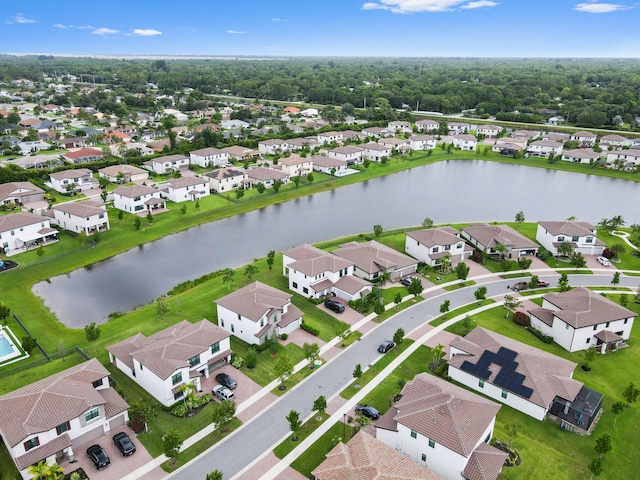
123	174
372	259
227	179
489	238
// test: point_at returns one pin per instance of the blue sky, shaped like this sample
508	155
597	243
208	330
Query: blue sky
423	28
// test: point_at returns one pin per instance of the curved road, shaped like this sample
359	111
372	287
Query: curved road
260	434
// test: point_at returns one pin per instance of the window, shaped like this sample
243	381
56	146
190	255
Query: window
561	238
435	250
91	414
588	340
133	372
481	383
215	347
222	323
595	327
239	317
504	394
63	427
233	329
625	320
414	434
97	383
262	322
178	394
295	285
607	325
305	290
29	444
566	326
432	443
177	378
136	199
424	457
194	360
589	240
447	247
574	239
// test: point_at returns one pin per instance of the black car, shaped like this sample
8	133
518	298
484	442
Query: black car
386	346
226	380
124	444
98	456
367	410
334	306
406	281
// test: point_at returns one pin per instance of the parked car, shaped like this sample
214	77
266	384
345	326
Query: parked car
222	393
543	283
604	261
124	444
367	410
98	456
226	380
406	281
334	306
386	346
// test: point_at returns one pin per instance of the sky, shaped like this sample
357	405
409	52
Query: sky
284	28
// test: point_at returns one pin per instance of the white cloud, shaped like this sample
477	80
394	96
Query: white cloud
85	27
480	4
105	31
235	32
279	20
595	7
415	6
20	18
62	27
146	32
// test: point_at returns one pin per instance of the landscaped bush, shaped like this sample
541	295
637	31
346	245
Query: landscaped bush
477	257
540	335
202	400
608	254
180	410
310	329
543	254
251	358
238	361
521	318
284	336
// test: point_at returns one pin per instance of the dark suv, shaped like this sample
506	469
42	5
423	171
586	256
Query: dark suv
334	306
226	380
98	456
386	346
124	444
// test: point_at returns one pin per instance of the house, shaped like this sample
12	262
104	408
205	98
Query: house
309	112
348	154
400	127
301	143
465	142
556	120
20	193
628	158
226	179
273	146
330	137
377	132
266	176
181	117
422	142
87	216
580	155
257	312
375	151
395	144
432	244
328	165
186	188
234	124
315	273
123	173
291	109
209	157
180	354
295	165
526	378
24	230
458	128
555	136
32	146
580	319
37	161
372	259
525	134
139	199
489	131
585	139
488	237
445	428
366	458
73	142
168	164
236	152
427	125
141	149
582	236
84	155
544	148
615	141
67	181
50	418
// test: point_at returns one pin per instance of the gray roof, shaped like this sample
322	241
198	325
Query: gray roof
319	262
491	235
262	174
324	161
228	172
81	172
20	219
135	191
373	256
80	209
571	229
114	170
18	190
183	182
255	300
436	236
346	150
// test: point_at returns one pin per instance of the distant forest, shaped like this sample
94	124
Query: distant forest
587	92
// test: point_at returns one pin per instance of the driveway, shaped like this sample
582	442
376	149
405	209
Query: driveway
349	315
245	387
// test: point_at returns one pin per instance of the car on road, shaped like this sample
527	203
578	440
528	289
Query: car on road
334	306
543	283
604	261
406	281
226	380
222	393
386	346
98	456
124	444
367	410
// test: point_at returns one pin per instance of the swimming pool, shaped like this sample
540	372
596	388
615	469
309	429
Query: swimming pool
8	349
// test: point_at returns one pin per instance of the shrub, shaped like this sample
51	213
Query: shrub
202	400
477	256
180	410
251	358
28	343
284	336
543	254
238	361
540	335
608	254
310	329
521	318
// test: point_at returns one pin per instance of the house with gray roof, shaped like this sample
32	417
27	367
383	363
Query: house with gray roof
373	259
24	230
20	193
266	176
325	164
185	189
139	199
257	312
227	179
580	319
180	354
72	180
487	237
445	428
580	155
50	418
123	173
528	379
167	164
432	244
209	157
88	216
582	236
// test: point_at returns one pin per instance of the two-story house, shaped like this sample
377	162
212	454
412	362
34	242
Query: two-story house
23	230
226	179
585	139
295	165
348	154
123	173
329	165
544	148
628	158
431	245
20	193
375	151
257	312
72	180
489	131
422	142
180	354
236	152
87	216
458	128
185	189
582	236
209	157
139	199
266	176
167	164
427	125
330	137
465	141
400	127
273	146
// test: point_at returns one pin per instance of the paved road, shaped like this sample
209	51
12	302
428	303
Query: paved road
263	431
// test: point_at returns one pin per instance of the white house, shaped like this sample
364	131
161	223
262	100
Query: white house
511	144
530	380
556	120
489	131
226	179
327	165
375	151
582	236
32	146
544	148
400	126
488	237
615	141
372	259
348	154
266	176
23	230
236	152
302	142
167	164
184	189
586	139
20	193
465	142
257	312
139	199
330	137
458	128
85	155
377	132
180	354
580	319
295	165
51	418
427	125
209	157
315	273
87	216
422	142
580	155
273	146
626	157
123	173
443	427
72	180
395	144
431	245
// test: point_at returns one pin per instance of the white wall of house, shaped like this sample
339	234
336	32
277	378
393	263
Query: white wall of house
10	239
161	167
242	327
209	161
301	283
133	204
584	244
183	194
423	252
81	182
272	149
74	223
301	168
330	137
226	184
422	144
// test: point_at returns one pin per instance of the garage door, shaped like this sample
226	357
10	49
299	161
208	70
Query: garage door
116	422
88	437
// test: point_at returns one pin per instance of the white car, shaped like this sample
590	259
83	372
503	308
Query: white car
604	261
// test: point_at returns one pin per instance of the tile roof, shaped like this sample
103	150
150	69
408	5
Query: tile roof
262	174
169	158
485	463
572	229
255	300
184	182
351	284
293	159
18	190
228	172
38	454
114	170
436	236
205	152
169	349
366	458
81	172
323	161
80	209
320	263
135	191
373	256
86	152
492	235
20	219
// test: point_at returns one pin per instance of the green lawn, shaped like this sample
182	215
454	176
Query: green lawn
315	454
306	429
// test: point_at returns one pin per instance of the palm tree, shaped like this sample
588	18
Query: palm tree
445	263
40	470
501	248
617	249
616	222
565	249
